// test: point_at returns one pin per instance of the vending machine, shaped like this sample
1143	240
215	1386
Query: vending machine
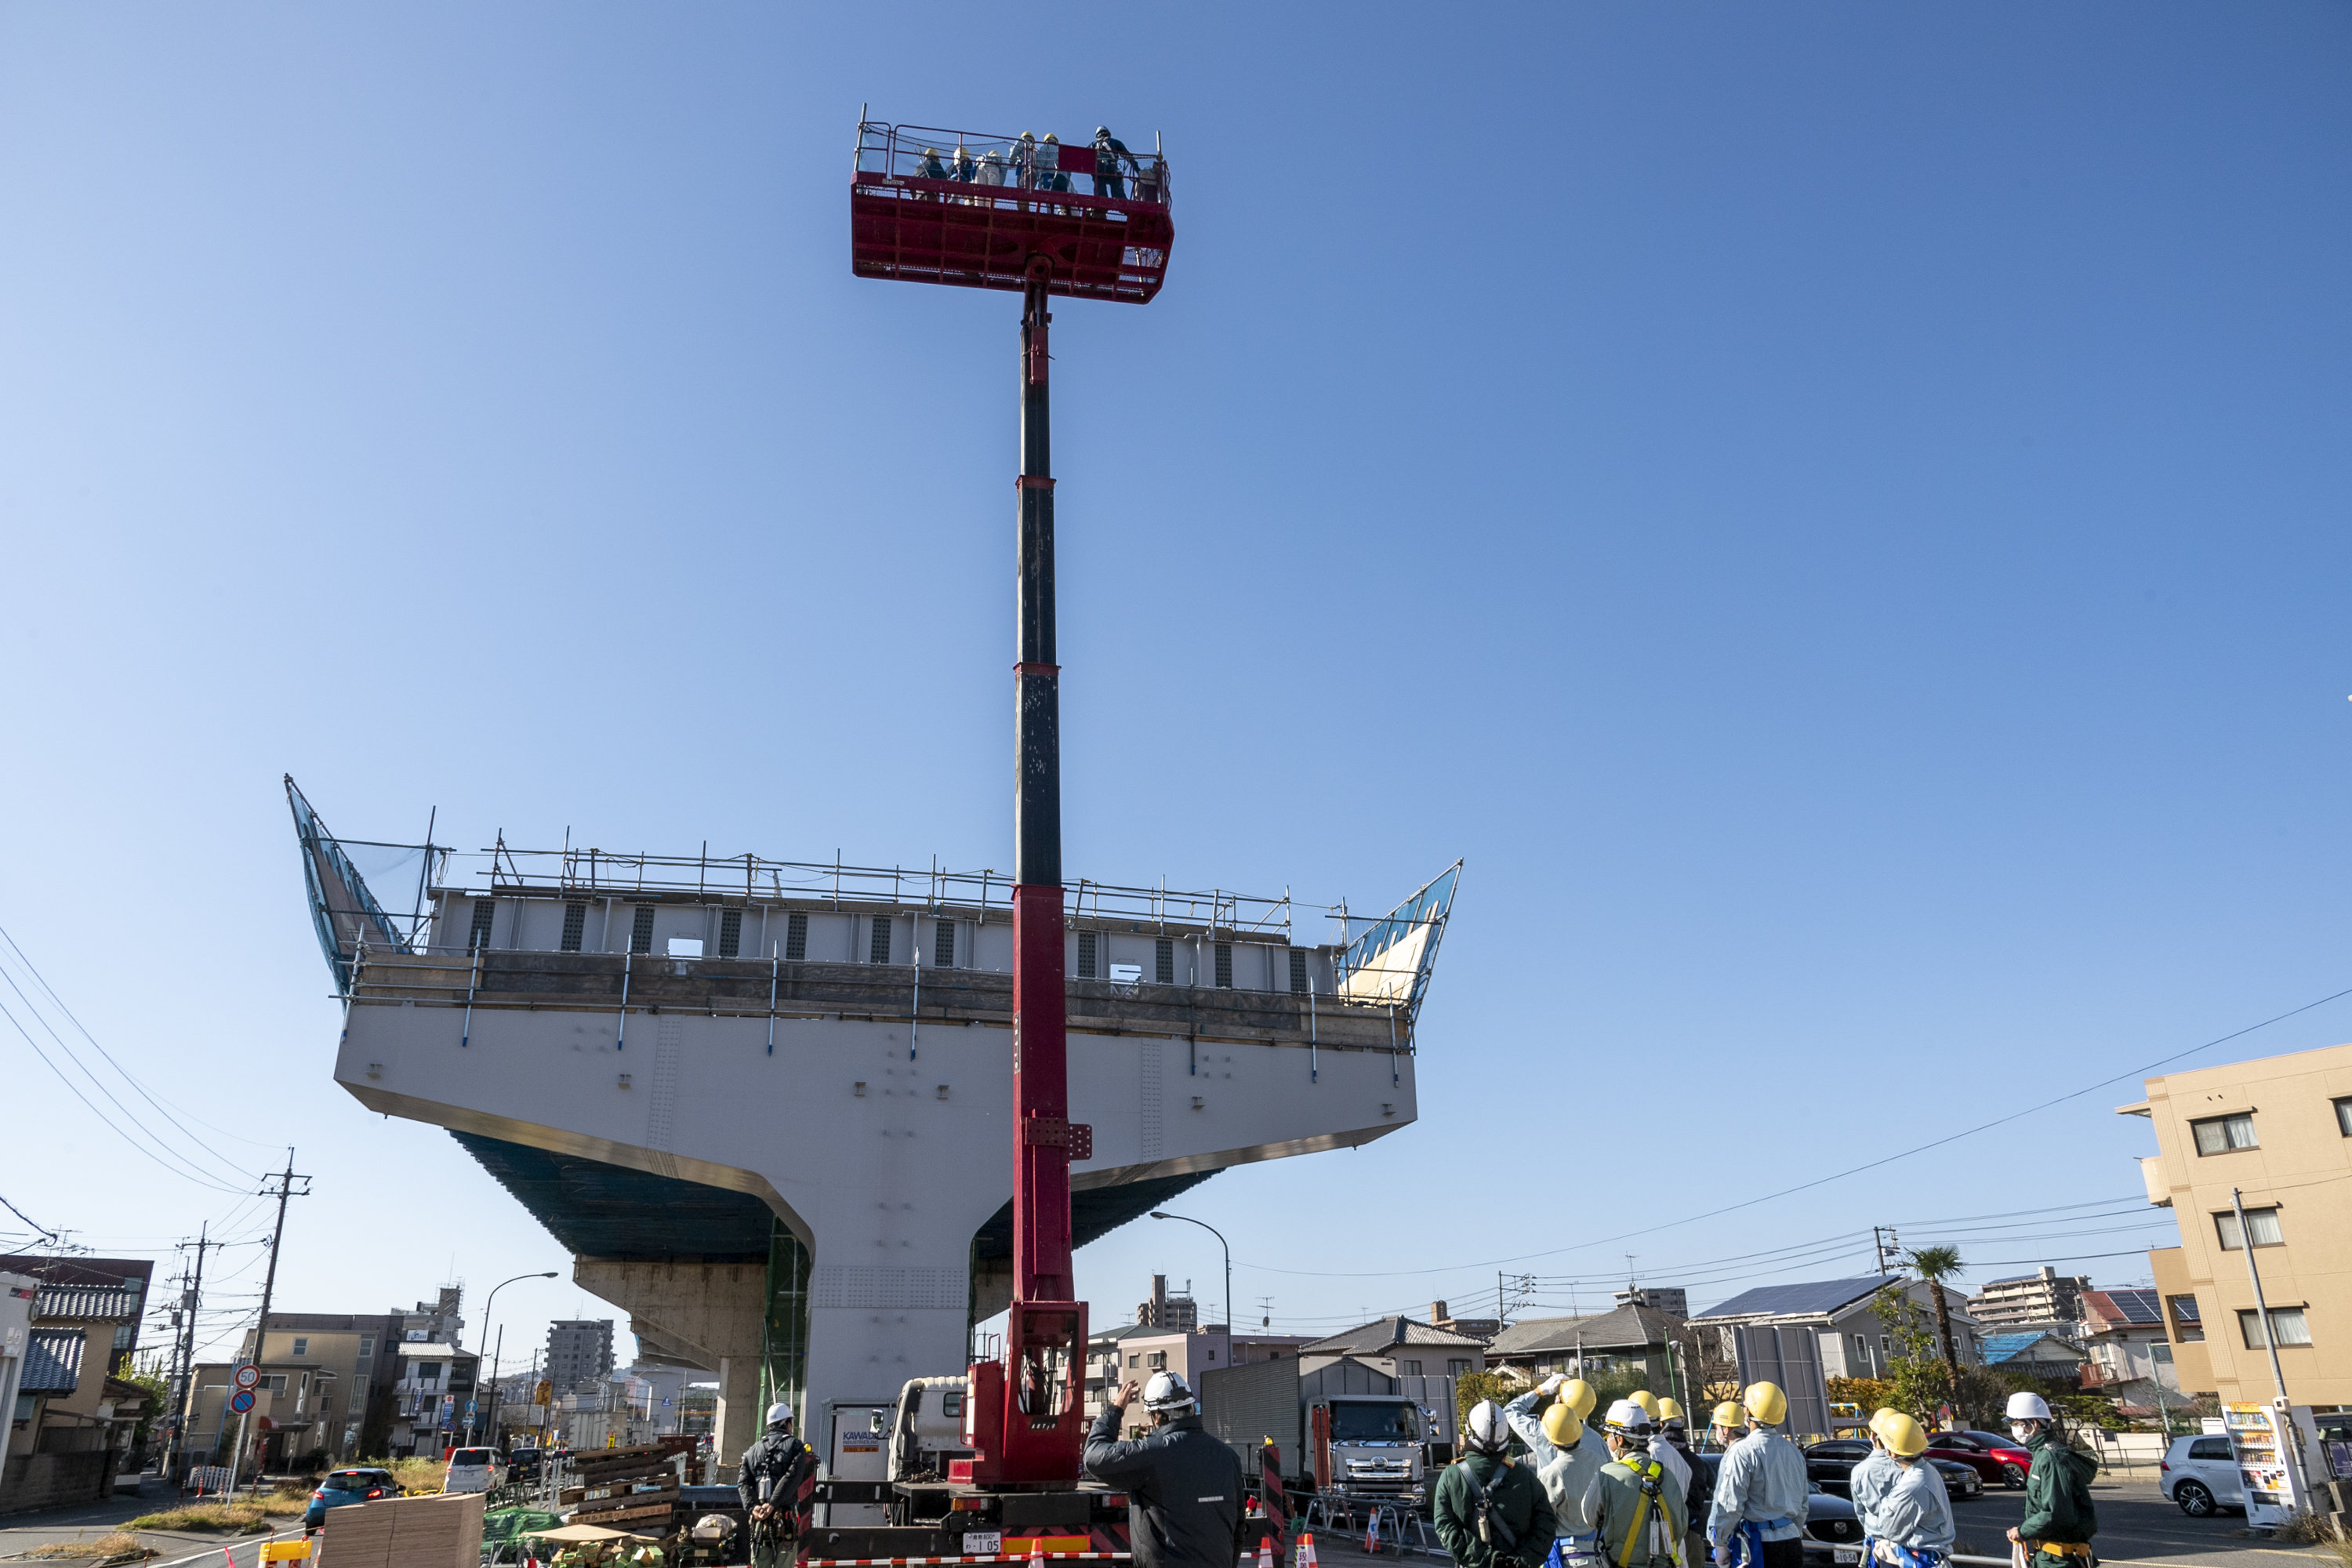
2273	1444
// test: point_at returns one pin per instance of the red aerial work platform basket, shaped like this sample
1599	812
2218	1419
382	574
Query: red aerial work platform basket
972	208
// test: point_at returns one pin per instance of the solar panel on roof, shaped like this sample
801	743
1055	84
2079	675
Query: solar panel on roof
2137	1306
1783	1300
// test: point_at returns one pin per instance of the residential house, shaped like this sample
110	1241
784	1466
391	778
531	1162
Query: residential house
1627	1336
2036	1351
2122	1331
327	1386
2044	1296
72	1419
2276	1135
1480	1328
1135	1350
1855	1340
1419	1349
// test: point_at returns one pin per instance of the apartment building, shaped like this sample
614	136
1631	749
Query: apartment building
2042	1299
2274	1135
579	1353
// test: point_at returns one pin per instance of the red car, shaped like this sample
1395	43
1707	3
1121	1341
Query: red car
1992	1455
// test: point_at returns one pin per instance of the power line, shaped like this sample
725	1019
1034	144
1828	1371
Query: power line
183	1170
1818	1181
44	1231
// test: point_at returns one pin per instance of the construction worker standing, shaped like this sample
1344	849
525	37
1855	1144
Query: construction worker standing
1490	1512
776	1481
2059	1518
1678	1468
1758	1516
1643	1513
1568	1459
1184	1486
1673	1432
1908	1516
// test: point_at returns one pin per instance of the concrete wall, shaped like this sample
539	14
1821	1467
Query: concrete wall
52	1480
883	1154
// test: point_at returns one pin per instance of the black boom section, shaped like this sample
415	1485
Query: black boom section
598	1210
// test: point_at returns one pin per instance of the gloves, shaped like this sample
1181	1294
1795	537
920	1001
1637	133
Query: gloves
1724	1550
1550	1385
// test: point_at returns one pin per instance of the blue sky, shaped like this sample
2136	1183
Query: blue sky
1836	512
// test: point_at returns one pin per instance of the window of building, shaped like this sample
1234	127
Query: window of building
641	929
2186	1327
2287	1326
275	1383
943	945
1160	1361
1409	1368
796	936
302	1348
1225	966
1085	955
2220	1134
2264	1223
1163	955
575	921
1457	1367
484	912
428	1373
878	949
730	933
2344	1116
367	1347
1135	1358
1299	970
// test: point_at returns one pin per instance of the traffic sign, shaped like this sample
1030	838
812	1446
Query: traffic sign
248	1375
241	1401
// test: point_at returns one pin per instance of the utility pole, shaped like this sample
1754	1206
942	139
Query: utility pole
2290	1441
285	1180
1889	1248
185	1354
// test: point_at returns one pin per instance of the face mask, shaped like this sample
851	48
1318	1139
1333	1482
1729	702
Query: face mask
2020	1430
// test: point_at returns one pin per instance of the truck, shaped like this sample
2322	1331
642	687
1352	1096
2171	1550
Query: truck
1339	1423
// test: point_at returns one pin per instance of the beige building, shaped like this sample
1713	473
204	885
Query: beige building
2280	1131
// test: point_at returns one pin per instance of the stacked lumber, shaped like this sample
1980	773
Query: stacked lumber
624	1488
444	1531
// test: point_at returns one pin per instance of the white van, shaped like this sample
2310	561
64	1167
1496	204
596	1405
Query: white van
2201	1474
473	1470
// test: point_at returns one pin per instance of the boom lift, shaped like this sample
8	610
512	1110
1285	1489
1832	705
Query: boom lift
922	213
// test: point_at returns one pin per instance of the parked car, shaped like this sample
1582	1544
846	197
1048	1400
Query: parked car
523	1465
2201	1474
1994	1455
1831	1465
1827	1517
343	1487
473	1470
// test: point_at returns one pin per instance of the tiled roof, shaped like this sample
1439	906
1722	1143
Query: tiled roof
1820	1296
1622	1327
52	1361
1382	1332
79	1301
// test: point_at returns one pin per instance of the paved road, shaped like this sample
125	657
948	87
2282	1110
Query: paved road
2135	1526
20	1533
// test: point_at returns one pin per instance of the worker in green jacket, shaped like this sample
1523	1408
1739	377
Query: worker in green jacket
1490	1512
2060	1518
1644	1510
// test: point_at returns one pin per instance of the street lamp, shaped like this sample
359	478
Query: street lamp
483	1343
1220	1234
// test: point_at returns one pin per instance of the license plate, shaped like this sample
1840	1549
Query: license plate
983	1543
1846	1553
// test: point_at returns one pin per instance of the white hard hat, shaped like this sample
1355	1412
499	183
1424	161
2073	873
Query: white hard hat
2028	1407
1166	1392
780	1415
1627	1419
1488	1432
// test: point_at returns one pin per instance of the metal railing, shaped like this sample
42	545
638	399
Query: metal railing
1025	171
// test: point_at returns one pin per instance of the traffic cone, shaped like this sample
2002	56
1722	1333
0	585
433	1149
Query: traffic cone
1372	1533
1265	1552
1036	1548
1306	1554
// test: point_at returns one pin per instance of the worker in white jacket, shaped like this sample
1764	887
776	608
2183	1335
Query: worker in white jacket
1568	1459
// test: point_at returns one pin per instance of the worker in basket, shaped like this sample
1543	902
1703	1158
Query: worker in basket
1184	1486
2059	1518
1645	1511
1905	1513
1758	1517
777	1482
1567	1456
1490	1512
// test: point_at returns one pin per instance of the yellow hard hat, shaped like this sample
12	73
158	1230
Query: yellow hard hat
1668	1410
1729	1415
1903	1436
1766	1403
1648	1402
1563	1425
1578	1396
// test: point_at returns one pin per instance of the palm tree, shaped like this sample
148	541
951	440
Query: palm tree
1935	1265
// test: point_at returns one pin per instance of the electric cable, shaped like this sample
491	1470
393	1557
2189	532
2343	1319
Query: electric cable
186	1170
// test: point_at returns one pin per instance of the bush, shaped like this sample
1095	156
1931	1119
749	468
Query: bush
247	1516
113	1545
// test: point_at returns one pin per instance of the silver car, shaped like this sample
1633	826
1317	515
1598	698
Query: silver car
2201	1474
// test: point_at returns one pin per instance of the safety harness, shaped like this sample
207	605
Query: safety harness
1648	1471
1492	1529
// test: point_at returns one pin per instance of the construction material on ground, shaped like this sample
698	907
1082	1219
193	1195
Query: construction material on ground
407	1533
635	1487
